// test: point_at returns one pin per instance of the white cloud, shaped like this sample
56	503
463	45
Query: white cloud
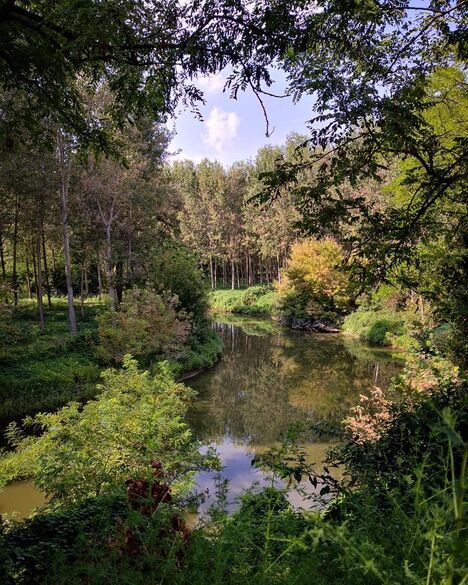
183	155
211	83
221	128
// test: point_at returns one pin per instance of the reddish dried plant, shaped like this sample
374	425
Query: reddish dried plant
368	421
145	496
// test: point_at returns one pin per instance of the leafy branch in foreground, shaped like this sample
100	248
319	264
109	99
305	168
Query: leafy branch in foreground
91	450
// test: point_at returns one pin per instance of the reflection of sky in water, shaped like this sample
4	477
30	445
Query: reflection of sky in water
241	475
237	470
268	379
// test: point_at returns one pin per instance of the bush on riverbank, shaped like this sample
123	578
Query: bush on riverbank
147	325
379	327
198	354
86	451
44	371
314	282
255	300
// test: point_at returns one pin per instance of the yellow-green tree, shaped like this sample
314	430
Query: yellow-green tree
314	279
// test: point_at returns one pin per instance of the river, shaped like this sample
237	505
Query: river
269	378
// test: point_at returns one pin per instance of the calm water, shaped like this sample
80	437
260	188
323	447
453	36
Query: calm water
268	378
271	377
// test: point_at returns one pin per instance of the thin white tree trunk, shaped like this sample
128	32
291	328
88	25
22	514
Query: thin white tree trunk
110	273
40	299
233	276
64	159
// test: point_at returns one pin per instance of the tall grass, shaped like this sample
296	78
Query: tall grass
255	300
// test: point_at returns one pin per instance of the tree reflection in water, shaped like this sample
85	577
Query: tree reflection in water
270	378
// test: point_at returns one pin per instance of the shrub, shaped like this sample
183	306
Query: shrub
314	281
253	294
383	327
174	269
255	300
198	354
147	326
92	450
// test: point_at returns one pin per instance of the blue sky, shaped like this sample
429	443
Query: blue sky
235	129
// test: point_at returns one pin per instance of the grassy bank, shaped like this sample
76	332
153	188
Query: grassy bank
44	371
382	327
41	372
198	355
255	300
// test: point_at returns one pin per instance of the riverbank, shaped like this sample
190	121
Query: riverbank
384	328
255	300
270	378
396	509
43	371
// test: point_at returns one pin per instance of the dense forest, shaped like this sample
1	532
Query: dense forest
116	258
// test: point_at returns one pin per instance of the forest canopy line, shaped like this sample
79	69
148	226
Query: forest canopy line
370	67
115	256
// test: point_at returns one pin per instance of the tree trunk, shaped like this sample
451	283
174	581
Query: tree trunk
99	275
215	274
211	273
247	270
34	267
28	277
64	188
233	276
82	288
15	253
119	282
46	269
130	247
40	300
110	273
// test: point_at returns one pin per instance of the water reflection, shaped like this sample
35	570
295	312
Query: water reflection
270	378
19	499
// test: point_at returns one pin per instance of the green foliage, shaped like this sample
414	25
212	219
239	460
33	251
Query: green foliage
314	281
424	428
402	522
44	371
198	354
253	294
91	450
398	514
147	325
255	300
148	56
174	270
380	327
41	372
33	548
